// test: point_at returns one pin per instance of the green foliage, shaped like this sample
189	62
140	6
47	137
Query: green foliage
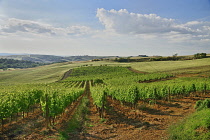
11	63
98	94
128	86
98	72
18	101
53	98
77	120
117	82
202	104
54	101
98	81
199	55
173	67
52	58
123	59
195	127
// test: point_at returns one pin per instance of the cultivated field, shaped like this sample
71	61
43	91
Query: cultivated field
104	100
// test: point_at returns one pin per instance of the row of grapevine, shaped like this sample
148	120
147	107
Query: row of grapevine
13	103
53	99
54	102
156	91
17	102
121	74
99	99
126	86
153	76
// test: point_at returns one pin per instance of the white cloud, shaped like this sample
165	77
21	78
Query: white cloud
124	34
124	22
119	22
79	30
17	25
27	27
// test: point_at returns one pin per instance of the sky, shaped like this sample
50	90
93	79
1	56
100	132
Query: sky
105	27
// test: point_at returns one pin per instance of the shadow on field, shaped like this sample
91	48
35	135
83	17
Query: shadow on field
153	111
118	117
96	137
169	104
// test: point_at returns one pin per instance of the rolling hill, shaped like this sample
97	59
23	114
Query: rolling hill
49	58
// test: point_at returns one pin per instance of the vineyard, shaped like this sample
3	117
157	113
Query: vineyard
121	103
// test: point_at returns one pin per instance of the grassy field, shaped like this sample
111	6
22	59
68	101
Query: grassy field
193	127
45	74
54	72
172	66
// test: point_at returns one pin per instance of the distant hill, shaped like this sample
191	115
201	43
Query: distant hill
6	54
49	58
11	63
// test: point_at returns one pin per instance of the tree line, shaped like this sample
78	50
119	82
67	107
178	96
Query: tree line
11	63
160	58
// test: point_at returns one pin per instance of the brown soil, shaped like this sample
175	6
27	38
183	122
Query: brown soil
121	122
147	122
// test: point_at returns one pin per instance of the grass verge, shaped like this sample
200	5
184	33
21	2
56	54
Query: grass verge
194	127
75	125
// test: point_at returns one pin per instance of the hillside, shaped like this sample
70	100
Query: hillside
122	104
47	73
11	63
54	72
49	58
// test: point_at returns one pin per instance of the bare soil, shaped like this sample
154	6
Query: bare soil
147	122
121	122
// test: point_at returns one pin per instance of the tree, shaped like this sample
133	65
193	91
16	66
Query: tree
199	55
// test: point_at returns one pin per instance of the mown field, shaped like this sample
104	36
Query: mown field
106	99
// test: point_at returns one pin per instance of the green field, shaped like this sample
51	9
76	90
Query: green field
45	74
157	80
54	72
171	66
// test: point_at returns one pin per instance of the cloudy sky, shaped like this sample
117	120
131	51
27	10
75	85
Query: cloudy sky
105	27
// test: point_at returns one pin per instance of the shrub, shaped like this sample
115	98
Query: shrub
202	104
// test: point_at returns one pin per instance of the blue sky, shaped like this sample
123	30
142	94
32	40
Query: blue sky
105	27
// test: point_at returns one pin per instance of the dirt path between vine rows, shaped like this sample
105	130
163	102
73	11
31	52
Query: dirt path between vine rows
66	75
147	122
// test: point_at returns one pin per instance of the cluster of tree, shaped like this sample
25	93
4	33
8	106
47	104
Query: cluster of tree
169	58
128	59
11	63
97	59
55	59
122	59
175	57
199	55
51	58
